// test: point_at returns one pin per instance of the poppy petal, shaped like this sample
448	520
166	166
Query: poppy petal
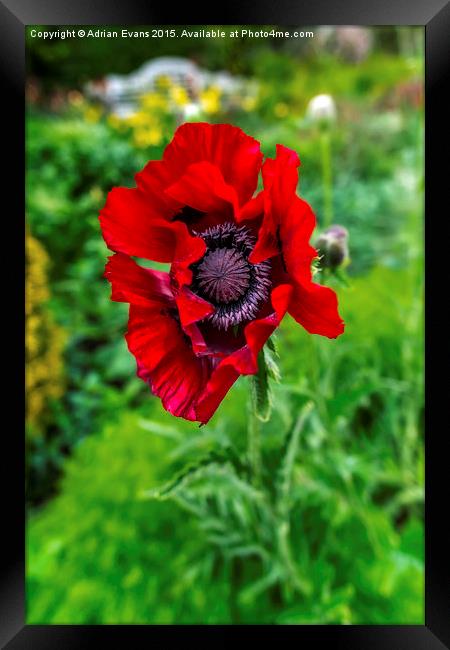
280	179
222	379
295	232
203	188
315	307
237	155
287	227
253	209
165	360
153	180
136	285
130	226
191	307
150	291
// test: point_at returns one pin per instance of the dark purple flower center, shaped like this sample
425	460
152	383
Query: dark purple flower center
225	277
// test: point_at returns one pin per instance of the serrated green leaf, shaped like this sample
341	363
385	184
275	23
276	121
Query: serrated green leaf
187	475
289	456
273	369
272	344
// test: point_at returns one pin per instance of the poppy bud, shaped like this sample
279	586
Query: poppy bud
322	109
332	246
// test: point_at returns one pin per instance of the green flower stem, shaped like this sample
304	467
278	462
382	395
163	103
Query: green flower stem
254	441
327	178
259	411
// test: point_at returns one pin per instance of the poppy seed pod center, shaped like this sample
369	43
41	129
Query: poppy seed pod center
223	275
225	278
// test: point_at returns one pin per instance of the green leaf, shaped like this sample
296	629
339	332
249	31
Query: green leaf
186	476
290	454
272	344
273	369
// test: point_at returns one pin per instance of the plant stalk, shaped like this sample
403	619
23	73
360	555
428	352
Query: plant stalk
327	179
254	441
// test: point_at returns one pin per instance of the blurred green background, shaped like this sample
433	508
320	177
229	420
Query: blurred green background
335	532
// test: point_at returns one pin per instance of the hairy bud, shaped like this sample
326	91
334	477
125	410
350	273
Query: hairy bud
332	246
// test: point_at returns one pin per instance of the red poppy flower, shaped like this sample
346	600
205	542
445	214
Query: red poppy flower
238	263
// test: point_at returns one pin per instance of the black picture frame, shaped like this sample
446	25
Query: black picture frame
434	15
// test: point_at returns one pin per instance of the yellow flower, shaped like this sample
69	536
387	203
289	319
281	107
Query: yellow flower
163	81
153	101
210	99
179	95
147	137
44	340
141	118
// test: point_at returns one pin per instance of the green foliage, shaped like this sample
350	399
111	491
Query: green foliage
67	184
71	165
121	561
333	534
295	81
314	515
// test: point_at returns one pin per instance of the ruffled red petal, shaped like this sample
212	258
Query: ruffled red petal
211	168
286	230
316	308
129	226
220	382
145	287
153	180
191	307
203	188
136	285
295	232
165	360
237	155
253	209
312	305
280	178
